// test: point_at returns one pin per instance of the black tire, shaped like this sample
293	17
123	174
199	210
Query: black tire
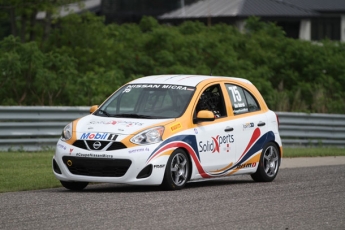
75	186
177	170
269	164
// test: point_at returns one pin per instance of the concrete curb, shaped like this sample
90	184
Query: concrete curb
311	161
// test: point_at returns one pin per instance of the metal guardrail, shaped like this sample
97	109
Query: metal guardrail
33	128
314	129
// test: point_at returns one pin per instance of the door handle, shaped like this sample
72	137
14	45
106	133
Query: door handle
261	123
228	129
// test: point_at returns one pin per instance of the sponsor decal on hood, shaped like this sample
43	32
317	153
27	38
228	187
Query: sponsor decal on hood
113	125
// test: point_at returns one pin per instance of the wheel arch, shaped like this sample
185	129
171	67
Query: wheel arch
279	149
190	162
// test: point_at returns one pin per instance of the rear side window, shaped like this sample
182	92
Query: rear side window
241	100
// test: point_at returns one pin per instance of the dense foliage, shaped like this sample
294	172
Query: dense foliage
82	61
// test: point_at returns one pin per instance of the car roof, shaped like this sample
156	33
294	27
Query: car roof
181	79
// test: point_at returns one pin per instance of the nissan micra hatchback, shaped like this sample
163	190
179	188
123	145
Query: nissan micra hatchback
169	130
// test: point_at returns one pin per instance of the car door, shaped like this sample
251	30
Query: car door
250	123
215	139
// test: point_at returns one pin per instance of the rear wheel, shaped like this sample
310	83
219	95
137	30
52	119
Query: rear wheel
268	165
75	186
177	170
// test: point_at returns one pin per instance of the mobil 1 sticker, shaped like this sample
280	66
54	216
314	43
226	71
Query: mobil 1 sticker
98	136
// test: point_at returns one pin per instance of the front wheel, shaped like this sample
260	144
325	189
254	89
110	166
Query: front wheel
177	170
75	186
268	165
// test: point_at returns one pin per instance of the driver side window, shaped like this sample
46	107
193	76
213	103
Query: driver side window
212	100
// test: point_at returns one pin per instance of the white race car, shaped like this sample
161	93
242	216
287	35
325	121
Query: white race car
169	130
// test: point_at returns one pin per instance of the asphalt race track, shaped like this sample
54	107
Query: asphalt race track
299	198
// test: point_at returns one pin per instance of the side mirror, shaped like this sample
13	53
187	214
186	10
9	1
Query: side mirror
93	108
205	115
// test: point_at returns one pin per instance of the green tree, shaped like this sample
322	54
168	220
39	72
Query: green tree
31	77
19	64
22	16
83	60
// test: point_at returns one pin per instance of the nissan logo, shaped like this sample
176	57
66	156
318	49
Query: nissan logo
97	145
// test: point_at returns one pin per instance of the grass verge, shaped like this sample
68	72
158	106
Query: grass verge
313	152
20	171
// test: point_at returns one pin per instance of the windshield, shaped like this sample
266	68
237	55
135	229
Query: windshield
148	101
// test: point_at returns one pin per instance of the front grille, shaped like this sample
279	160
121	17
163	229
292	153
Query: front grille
84	144
102	144
80	144
116	146
97	167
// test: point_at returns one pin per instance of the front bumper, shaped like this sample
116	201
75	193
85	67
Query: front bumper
126	166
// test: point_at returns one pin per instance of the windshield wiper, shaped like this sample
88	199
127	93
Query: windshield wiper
131	115
104	112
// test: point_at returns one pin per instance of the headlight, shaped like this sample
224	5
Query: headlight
67	132
149	136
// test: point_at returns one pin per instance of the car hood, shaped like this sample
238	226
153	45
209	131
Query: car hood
123	126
